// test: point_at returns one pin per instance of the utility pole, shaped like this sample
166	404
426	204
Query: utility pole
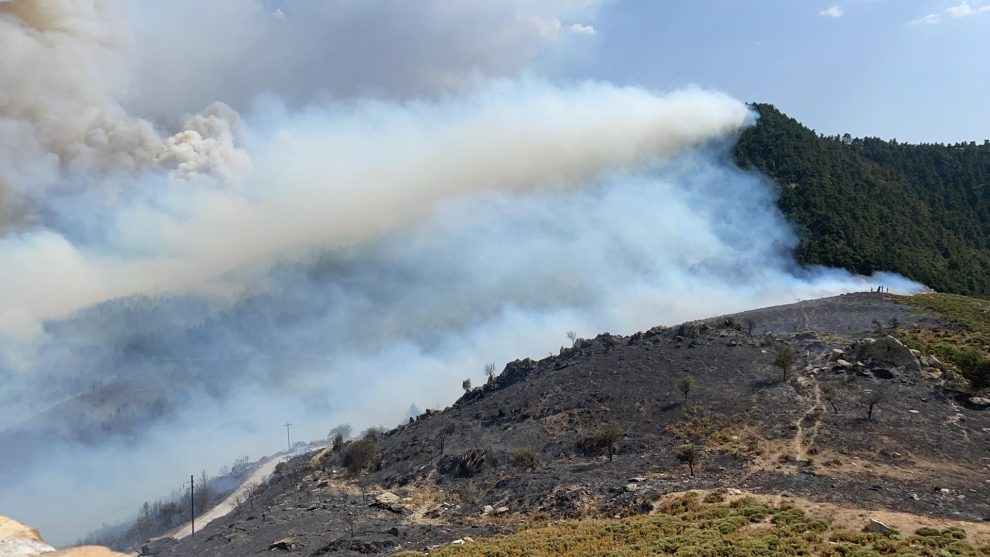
192	504
288	441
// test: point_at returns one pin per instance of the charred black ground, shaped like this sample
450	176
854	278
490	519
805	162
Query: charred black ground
925	450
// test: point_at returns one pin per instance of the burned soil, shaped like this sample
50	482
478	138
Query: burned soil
850	418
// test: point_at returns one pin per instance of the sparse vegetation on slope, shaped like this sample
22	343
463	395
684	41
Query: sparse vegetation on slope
533	444
967	346
688	525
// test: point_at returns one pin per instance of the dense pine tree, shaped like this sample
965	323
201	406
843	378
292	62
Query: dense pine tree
871	204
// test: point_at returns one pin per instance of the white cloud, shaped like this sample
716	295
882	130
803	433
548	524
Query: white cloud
965	9
930	19
546	27
582	29
833	11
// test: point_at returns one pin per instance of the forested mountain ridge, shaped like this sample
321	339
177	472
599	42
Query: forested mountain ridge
870	204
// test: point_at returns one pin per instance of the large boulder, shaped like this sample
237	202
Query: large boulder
389	501
880	528
887	350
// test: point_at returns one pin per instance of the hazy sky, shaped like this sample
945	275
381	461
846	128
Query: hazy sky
915	70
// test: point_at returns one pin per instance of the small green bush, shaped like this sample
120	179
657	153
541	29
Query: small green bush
523	458
603	441
360	455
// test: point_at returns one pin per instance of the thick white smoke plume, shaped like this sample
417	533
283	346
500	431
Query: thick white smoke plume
170	292
64	70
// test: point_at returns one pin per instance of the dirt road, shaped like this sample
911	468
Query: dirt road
230	502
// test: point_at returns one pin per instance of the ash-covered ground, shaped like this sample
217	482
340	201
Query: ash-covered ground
925	450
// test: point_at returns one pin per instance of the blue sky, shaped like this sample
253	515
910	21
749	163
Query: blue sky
915	70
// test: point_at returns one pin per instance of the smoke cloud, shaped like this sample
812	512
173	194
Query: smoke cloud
306	52
175	287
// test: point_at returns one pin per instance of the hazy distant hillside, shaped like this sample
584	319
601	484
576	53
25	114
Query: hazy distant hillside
867	204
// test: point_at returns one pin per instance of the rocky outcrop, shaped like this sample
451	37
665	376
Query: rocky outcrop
389	501
887	350
880	528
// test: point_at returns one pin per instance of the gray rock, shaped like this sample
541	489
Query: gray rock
879	527
837	353
284	544
389	502
888	350
935	363
843	363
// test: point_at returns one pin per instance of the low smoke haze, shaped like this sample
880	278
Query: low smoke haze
295	223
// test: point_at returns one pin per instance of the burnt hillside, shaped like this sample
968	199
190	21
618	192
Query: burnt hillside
924	450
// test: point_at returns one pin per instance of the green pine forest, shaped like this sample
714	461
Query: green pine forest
871	204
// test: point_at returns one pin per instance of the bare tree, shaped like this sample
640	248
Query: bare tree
688	454
490	371
572	336
828	393
685	386
349	517
784	360
445	432
204	493
872	401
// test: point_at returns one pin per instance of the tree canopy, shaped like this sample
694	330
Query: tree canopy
871	204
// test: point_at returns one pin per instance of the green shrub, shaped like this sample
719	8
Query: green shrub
603	441
974	365
360	455
784	360
523	458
